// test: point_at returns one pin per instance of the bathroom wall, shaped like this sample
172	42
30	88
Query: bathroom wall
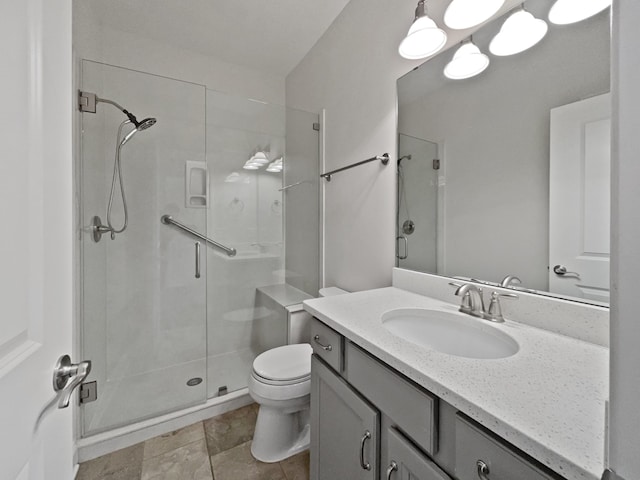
352	72
96	42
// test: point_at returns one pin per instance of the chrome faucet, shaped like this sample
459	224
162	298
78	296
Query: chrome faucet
509	280
472	301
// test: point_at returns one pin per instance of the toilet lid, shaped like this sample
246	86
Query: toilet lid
289	362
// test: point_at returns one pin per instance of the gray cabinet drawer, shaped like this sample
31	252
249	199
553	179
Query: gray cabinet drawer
411	409
406	462
503	461
327	344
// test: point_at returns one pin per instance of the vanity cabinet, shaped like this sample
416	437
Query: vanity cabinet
480	455
406	462
370	422
345	429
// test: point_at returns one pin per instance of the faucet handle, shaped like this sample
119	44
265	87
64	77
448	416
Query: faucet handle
494	312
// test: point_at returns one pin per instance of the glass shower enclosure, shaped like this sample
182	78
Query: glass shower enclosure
417	204
168	320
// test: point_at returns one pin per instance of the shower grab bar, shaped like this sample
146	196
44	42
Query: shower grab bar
384	158
168	220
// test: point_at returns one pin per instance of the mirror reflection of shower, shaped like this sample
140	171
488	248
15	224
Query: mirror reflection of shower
88	103
408	226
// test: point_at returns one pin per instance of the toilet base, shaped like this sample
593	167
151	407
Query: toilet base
280	434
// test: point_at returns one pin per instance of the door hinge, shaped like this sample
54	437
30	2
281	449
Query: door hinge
316	127
436	164
88	392
87	102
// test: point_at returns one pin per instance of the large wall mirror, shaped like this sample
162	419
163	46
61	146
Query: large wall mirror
507	173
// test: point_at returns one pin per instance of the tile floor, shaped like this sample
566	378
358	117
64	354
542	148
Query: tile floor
216	449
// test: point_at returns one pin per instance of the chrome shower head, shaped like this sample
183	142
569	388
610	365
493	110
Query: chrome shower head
143	125
146	123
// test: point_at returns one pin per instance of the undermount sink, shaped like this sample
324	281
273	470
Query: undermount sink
450	333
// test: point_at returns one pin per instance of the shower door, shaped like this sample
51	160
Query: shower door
143	310
248	212
417	205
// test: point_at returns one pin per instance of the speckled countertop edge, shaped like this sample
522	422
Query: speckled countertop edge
548	399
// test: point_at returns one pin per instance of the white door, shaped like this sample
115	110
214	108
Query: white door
36	238
580	172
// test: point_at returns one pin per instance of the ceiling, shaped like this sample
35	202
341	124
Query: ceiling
271	36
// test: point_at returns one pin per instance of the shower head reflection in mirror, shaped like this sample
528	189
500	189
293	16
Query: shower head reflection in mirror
490	215
88	103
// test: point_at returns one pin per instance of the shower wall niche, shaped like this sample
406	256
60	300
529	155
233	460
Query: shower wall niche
160	338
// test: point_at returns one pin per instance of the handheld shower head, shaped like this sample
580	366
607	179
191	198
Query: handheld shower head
146	123
143	125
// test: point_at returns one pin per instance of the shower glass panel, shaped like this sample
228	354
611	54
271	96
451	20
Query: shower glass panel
144	310
302	201
247	214
417	215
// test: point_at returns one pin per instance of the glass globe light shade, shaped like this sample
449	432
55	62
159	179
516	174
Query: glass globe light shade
564	12
467	62
259	157
424	39
519	32
461	14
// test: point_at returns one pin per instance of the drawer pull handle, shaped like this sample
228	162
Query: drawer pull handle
393	466
483	470
365	437
328	348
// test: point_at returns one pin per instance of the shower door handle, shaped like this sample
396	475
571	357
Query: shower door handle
197	259
406	247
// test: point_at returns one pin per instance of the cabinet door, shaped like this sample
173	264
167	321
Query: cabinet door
344	429
406	462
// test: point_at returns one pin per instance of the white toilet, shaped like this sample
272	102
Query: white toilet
280	383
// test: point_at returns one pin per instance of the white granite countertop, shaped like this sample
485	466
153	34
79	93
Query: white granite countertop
548	399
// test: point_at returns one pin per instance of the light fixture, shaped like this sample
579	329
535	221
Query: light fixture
259	158
467	62
250	166
519	32
424	37
564	12
276	166
461	14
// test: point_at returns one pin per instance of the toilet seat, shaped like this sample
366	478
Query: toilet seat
284	365
282	373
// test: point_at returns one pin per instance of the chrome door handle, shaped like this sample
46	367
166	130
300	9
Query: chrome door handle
483	470
327	347
562	270
406	247
67	376
197	259
365	465
393	466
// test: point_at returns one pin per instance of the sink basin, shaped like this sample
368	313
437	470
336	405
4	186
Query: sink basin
450	333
